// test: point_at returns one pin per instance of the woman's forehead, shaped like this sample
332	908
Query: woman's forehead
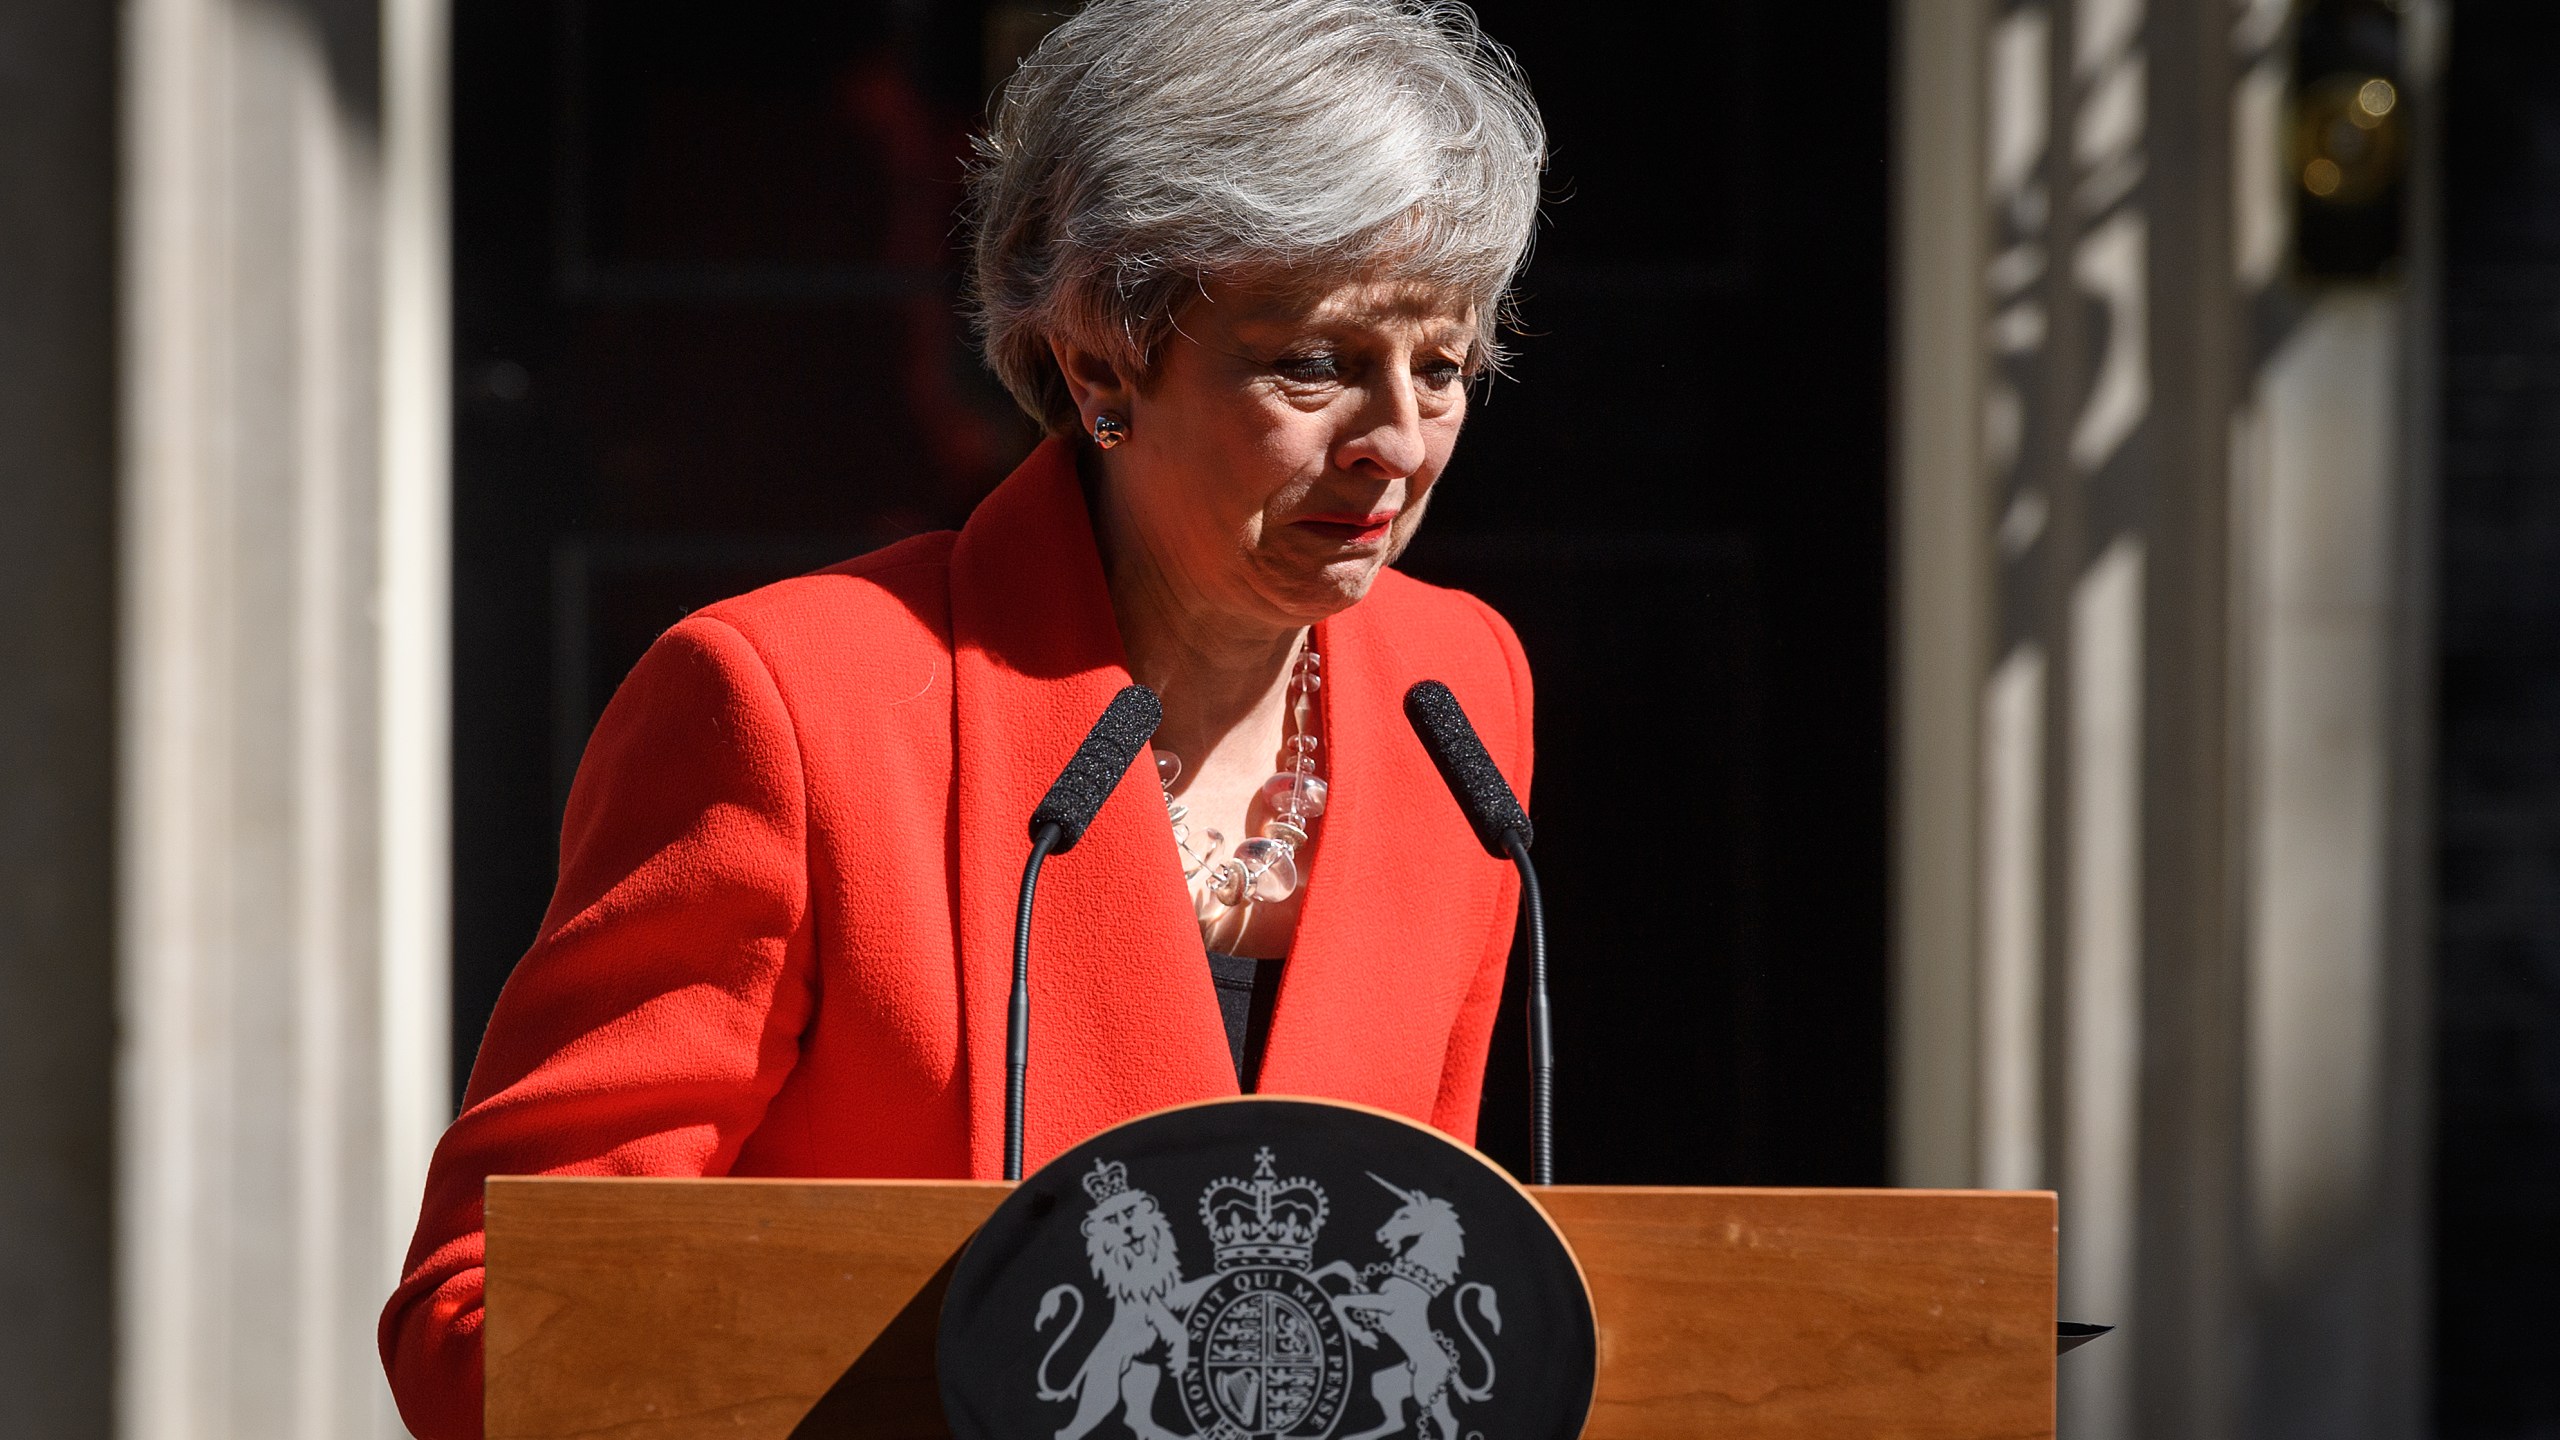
1356	302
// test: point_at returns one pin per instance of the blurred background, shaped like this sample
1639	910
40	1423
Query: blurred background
2058	499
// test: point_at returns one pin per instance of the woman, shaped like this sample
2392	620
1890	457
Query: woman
1242	258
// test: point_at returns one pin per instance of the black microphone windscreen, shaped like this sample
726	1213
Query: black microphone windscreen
1473	778
1125	727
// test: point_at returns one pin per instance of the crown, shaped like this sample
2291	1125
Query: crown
1109	1178
1263	1221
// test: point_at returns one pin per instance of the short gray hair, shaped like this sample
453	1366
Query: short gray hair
1150	146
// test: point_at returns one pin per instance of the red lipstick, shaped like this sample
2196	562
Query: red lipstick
1351	528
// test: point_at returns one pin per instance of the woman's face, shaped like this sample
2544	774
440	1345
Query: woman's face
1282	452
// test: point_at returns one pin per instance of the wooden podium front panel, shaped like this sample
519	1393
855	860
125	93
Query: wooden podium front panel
804	1310
1793	1314
658	1309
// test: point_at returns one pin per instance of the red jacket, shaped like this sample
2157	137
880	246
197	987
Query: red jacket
783	934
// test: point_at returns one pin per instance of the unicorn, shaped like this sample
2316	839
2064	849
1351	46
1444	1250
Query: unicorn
1424	1243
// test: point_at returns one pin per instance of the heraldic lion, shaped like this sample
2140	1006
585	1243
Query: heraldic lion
1131	1247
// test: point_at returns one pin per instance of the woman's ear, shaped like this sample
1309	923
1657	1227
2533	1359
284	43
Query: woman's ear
1094	383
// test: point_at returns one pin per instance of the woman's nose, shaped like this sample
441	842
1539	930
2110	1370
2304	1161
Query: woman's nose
1386	440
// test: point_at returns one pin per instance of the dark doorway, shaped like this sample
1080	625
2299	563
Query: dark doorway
2497	1192
705	336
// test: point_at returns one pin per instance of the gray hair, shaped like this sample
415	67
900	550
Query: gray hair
1149	146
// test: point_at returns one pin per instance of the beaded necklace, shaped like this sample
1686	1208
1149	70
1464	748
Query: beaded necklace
1264	869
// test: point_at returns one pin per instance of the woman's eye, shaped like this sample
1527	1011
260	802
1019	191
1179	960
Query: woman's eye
1441	374
1309	369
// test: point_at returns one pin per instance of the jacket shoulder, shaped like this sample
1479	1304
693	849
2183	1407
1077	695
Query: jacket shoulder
1436	633
1447	626
895	597
855	639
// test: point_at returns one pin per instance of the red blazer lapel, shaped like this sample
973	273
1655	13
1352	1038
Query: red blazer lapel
1387	943
1123	1018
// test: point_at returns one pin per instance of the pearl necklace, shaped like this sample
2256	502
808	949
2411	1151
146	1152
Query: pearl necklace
1264	869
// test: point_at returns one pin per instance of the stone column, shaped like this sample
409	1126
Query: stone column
281	703
2161	773
1942	589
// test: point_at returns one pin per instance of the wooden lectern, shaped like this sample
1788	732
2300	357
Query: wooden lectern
766	1309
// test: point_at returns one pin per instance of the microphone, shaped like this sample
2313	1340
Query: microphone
1073	800
1126	725
1472	776
1502	827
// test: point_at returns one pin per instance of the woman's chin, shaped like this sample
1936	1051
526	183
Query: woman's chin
1308	594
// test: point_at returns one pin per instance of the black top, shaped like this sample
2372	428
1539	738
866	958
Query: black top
1246	990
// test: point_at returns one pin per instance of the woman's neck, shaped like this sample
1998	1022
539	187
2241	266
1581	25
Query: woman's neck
1217	672
1223	668
1217	675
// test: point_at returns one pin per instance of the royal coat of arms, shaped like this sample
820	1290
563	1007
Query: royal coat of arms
1266	1269
1263	1346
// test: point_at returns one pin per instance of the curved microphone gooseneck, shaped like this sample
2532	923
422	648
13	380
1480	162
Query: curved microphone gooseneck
1502	827
1125	727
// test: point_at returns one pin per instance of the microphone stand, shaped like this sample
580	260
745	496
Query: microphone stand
1542	1039
1502	827
1017	1030
1072	802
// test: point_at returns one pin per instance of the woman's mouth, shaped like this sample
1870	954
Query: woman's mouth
1344	529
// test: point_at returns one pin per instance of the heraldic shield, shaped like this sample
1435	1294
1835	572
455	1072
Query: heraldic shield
1265	1269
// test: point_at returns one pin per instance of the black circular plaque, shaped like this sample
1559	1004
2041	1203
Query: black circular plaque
1263	1269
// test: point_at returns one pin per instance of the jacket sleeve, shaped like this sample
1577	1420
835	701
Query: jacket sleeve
1462	1070
661	1005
